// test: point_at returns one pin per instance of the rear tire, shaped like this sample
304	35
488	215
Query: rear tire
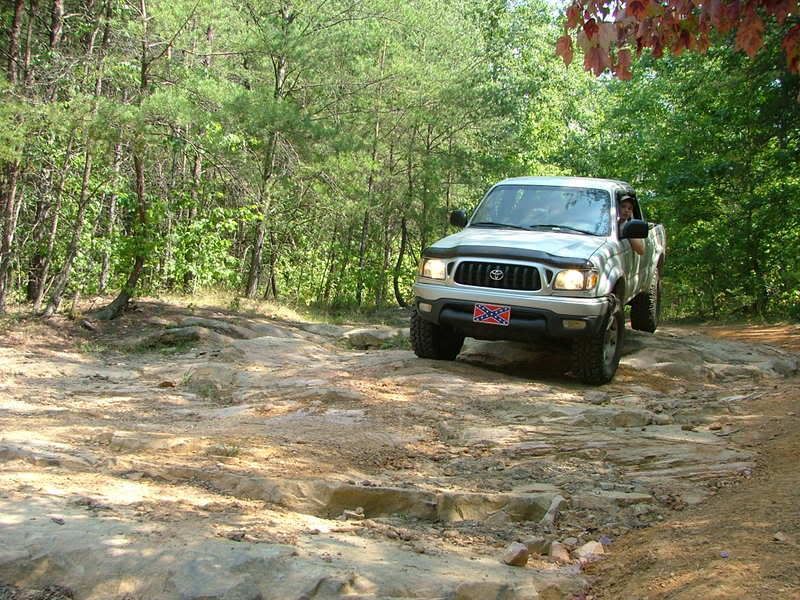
595	359
430	340
646	307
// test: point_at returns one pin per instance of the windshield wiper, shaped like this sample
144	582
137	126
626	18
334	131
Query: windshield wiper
493	224
567	227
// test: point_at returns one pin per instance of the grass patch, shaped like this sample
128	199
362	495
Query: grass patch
223	449
92	347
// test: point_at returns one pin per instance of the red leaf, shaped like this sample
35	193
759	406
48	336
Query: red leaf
658	49
596	60
729	16
573	16
622	68
590	28
750	35
780	8
791	45
636	9
564	48
703	43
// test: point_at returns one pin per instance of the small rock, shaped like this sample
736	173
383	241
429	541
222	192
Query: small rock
663	419
89	325
559	553
595	397
715	426
352	515
643	509
570	542
551	516
590	551
687	427
57	520
236	536
724	554
516	555
632	417
167	384
538	545
780	537
605	540
450	534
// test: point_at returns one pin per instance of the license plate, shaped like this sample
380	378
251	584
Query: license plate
492	314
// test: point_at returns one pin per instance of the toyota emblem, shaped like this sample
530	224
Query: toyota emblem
496	274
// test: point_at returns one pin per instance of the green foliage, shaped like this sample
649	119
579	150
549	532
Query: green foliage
294	151
717	163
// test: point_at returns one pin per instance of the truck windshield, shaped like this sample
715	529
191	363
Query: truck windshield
570	209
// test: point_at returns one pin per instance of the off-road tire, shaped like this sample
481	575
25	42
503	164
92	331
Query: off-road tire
430	340
646	307
595	359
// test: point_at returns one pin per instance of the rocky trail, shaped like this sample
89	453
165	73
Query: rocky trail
180	453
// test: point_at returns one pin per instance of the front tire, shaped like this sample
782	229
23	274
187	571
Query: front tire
646	307
595	359
430	340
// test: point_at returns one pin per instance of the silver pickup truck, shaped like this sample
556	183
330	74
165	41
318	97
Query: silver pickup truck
542	257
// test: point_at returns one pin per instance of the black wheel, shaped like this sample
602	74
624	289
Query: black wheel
646	307
595	359
434	341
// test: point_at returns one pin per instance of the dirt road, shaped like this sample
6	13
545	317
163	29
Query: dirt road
180	453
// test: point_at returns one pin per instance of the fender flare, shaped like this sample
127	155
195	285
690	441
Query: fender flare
611	283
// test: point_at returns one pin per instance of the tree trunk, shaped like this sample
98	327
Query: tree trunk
387	248
261	228
398	267
13	42
324	292
9	223
255	260
56	23
37	276
362	251
345	260
113	310
105	263
27	70
62	278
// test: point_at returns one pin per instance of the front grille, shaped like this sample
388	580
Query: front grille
515	277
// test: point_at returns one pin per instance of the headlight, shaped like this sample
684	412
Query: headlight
574	279
433	268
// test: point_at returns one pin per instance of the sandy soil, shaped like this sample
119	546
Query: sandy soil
745	541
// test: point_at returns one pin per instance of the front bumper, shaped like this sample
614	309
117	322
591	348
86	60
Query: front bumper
532	317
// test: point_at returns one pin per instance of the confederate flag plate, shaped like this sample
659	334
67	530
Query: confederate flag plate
492	314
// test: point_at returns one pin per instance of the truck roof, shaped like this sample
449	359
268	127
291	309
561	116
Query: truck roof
591	182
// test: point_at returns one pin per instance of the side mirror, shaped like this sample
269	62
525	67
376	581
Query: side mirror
635	229
458	218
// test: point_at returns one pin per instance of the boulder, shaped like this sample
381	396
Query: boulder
559	553
590	551
516	555
369	337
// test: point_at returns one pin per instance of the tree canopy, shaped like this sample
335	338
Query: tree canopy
309	151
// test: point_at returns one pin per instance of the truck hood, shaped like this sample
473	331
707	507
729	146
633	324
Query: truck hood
514	243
